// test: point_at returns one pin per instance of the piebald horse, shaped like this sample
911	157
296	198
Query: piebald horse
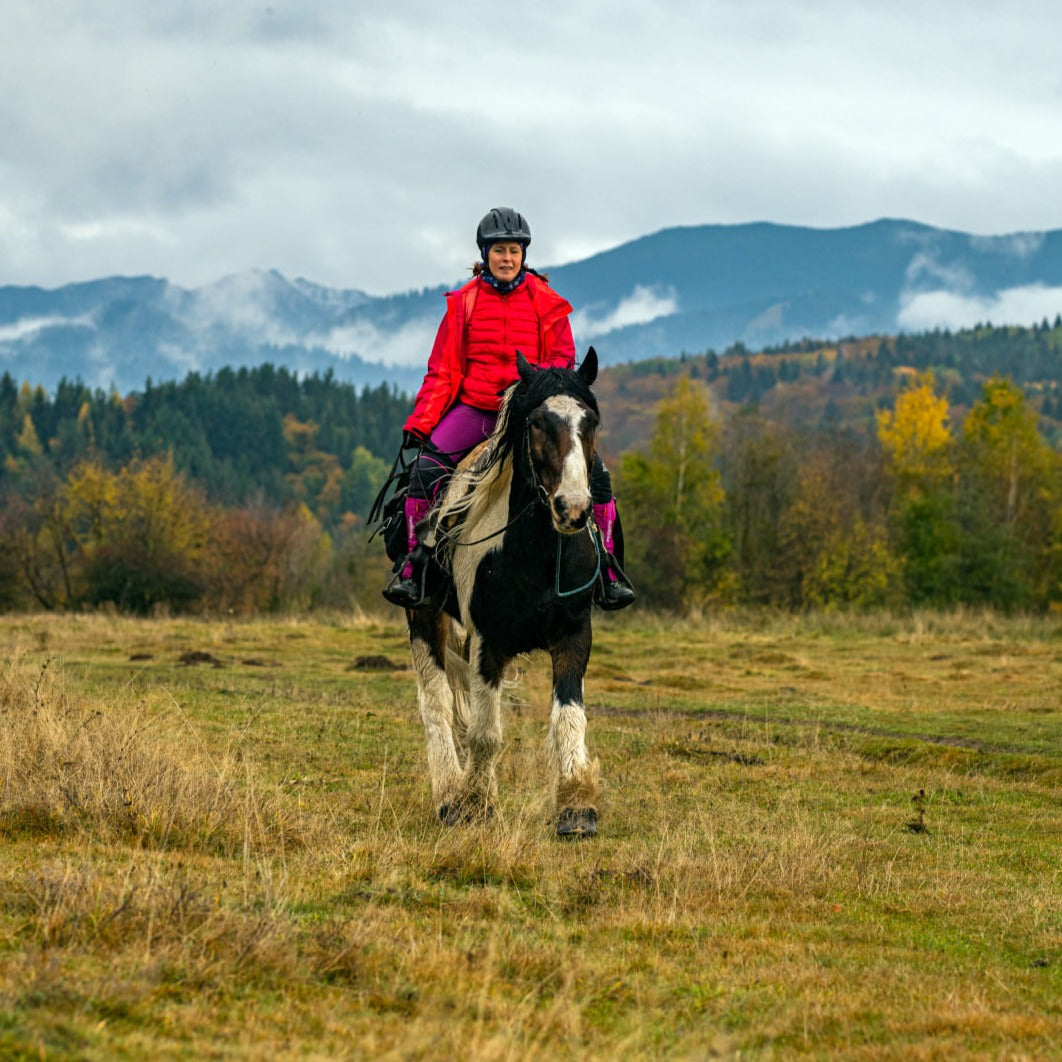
515	558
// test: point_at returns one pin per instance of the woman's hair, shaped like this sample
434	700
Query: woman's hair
479	267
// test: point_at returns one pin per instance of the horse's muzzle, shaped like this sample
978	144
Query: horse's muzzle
569	513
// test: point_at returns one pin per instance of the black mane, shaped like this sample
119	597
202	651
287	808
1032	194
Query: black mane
526	395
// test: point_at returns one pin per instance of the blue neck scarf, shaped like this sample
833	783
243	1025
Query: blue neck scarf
500	286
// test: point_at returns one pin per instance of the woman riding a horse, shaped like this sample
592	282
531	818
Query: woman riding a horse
505	308
516	560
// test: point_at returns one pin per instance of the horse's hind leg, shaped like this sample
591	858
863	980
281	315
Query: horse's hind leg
457	676
576	774
427	642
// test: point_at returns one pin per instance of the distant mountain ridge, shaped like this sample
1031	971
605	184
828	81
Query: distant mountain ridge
680	289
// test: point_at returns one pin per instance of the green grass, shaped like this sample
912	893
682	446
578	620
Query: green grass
236	857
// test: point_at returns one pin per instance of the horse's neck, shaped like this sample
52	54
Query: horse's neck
528	517
524	489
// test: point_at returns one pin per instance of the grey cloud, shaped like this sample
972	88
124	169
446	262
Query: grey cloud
642	305
925	271
949	309
358	144
1019	244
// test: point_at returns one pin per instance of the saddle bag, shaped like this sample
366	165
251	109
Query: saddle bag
393	522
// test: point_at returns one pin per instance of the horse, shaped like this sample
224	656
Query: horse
514	560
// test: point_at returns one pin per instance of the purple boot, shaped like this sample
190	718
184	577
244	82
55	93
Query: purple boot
407	589
614	590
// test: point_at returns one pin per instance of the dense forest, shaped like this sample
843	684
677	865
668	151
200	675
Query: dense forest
842	385
895	471
887	471
961	361
244	434
239	491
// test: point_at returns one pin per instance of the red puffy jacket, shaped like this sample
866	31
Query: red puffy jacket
474	356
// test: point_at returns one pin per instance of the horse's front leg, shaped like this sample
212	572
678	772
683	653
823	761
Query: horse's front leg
576	774
483	736
435	698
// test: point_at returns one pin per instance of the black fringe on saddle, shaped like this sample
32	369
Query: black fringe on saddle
387	515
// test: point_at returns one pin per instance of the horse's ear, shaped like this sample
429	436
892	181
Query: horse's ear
523	367
588	369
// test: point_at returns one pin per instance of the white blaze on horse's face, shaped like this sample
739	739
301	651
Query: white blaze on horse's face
561	437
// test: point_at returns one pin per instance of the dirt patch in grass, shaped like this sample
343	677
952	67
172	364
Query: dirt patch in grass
199	657
375	662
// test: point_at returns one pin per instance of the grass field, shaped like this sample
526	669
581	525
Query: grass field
822	836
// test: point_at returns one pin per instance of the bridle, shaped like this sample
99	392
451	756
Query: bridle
542	495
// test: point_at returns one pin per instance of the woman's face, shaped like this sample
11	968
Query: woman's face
504	260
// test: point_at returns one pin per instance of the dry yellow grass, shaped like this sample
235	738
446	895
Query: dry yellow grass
234	857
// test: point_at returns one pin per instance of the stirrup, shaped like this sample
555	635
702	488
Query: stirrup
411	592
613	594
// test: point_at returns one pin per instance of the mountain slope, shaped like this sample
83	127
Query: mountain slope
763	284
681	289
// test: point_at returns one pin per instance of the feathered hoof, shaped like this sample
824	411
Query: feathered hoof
465	813
573	824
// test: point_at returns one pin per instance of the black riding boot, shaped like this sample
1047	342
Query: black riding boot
408	589
614	590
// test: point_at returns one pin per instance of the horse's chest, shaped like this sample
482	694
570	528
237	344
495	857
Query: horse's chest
516	605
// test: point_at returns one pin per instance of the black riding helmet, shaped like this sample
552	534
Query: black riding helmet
503	223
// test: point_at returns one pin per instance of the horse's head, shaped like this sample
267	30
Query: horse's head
560	417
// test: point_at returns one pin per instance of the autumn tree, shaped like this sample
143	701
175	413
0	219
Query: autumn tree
362	481
267	559
760	474
33	530
316	477
672	500
920	461
1009	504
34	540
832	547
142	534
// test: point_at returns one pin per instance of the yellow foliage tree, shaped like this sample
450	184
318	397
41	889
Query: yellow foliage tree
1010	502
27	447
141	534
920	458
917	438
316	477
829	554
1003	443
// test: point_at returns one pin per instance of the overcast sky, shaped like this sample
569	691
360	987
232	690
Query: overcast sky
358	143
